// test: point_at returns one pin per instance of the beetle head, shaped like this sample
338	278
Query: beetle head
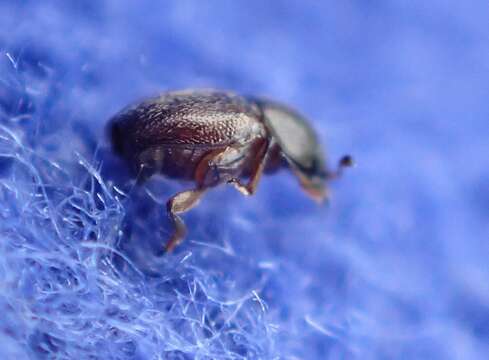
299	146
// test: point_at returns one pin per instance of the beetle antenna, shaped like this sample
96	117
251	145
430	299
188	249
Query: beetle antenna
346	161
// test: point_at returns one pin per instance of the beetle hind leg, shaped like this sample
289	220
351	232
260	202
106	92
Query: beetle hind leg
180	203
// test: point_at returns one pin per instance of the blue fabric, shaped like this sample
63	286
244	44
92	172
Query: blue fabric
394	268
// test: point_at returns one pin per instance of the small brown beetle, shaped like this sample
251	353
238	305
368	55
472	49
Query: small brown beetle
214	137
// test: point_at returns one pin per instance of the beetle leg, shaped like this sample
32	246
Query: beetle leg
180	203
204	167
262	157
186	200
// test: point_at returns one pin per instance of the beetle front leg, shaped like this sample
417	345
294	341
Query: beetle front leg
262	158
180	203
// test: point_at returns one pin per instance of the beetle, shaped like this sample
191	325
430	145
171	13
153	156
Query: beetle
213	137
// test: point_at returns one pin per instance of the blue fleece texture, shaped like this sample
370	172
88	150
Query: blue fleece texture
395	267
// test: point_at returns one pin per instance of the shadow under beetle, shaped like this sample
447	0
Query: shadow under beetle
213	137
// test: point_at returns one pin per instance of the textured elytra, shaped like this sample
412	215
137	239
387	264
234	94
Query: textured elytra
208	118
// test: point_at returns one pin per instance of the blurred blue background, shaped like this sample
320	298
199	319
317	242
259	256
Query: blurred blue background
394	268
